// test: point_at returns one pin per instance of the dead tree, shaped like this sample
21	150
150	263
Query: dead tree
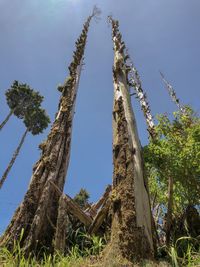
131	231
100	216
93	209
136	84
92	219
37	214
172	93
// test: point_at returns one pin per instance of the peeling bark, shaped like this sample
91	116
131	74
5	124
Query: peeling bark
37	214
131	232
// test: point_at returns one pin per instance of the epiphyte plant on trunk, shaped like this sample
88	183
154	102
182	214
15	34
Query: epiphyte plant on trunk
25	104
37	214
21	97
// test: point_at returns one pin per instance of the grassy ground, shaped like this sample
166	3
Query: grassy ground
182	254
73	260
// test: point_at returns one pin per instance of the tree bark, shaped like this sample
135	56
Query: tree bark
169	210
61	227
131	232
37	214
6	120
16	153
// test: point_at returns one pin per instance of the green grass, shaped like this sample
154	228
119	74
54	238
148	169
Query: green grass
77	256
184	252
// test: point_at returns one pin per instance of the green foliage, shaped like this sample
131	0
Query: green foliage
89	245
82	198
176	153
21	97
185	252
36	120
81	243
93	245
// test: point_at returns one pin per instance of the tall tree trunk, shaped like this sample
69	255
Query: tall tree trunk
16	153
169	210
131	232
37	214
6	120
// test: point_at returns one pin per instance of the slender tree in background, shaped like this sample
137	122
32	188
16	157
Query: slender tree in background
6	120
21	97
37	214
36	120
131	231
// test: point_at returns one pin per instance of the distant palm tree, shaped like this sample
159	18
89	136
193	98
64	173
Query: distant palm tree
35	120
20	97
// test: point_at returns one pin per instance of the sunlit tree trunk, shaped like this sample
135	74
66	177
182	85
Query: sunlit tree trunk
6	120
131	231
169	209
16	153
37	214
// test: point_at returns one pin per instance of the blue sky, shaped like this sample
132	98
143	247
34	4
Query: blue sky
37	40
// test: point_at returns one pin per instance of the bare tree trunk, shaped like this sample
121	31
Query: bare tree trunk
169	210
172	93
135	82
16	153
37	214
131	232
6	120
